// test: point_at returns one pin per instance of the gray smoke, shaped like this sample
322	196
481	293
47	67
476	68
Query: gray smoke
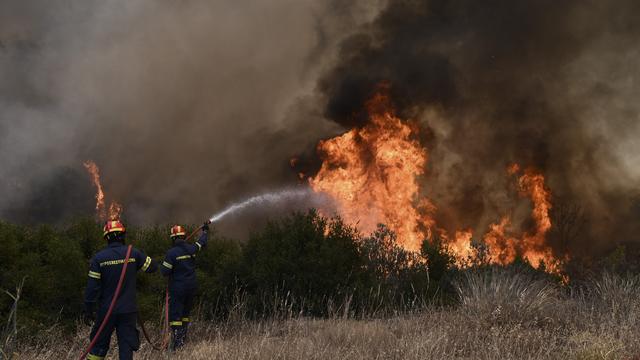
184	105
189	105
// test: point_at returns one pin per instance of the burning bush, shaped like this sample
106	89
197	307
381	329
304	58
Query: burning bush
308	264
376	174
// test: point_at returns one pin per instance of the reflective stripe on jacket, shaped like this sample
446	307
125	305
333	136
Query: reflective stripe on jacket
104	274
180	263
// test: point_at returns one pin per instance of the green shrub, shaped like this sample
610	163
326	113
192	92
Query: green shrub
399	277
438	257
299	263
218	268
302	264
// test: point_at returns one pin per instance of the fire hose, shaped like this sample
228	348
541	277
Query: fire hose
166	336
165	333
111	306
193	233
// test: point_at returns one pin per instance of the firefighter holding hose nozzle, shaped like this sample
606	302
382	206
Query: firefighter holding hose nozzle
106	280
180	267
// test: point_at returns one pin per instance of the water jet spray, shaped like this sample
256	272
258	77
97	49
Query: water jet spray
272	197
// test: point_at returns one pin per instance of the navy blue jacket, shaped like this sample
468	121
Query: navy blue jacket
180	263
104	273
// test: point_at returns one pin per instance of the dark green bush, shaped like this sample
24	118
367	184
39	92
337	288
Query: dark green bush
218	270
53	267
399	278
301	264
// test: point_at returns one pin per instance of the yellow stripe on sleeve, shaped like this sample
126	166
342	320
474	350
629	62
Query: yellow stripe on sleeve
146	264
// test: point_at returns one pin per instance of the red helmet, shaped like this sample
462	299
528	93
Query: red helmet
112	227
177	230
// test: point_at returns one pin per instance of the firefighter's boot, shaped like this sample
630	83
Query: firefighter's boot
178	338
185	330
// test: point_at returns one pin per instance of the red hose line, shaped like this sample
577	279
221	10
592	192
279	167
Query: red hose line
196	231
154	346
111	306
167	331
192	234
165	343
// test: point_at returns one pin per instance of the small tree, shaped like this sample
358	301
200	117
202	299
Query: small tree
399	276
568	221
439	259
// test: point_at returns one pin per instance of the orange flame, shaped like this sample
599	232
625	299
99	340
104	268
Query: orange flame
461	247
532	246
115	209
94	171
372	174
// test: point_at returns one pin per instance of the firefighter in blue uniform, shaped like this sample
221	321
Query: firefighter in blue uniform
104	273
180	267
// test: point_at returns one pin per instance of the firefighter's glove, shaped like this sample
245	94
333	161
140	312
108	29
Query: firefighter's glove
205	226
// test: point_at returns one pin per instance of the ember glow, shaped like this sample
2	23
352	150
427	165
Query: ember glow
115	209
374	175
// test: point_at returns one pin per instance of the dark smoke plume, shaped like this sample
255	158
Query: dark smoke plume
548	84
189	105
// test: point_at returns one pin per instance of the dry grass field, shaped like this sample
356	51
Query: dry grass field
500	316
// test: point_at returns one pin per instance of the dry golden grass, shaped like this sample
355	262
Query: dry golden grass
501	316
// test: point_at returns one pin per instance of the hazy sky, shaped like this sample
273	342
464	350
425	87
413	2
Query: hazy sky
188	105
184	105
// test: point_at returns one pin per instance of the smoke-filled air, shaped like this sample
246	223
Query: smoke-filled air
320	179
509	124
